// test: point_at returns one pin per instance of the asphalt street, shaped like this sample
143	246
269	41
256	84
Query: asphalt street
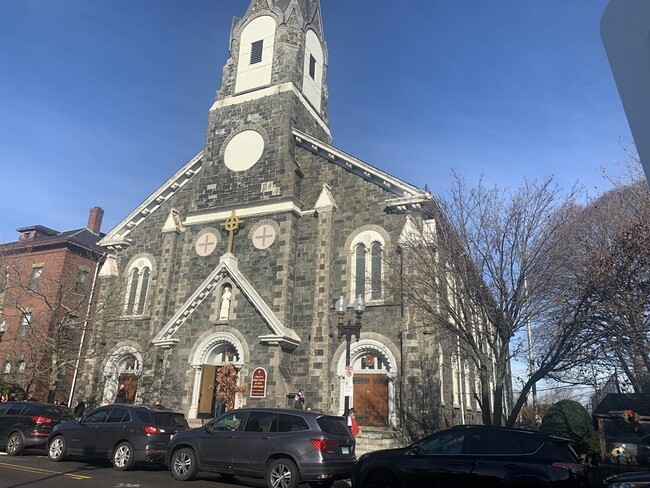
35	470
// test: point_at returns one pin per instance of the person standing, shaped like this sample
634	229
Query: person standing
79	408
299	400
353	424
121	395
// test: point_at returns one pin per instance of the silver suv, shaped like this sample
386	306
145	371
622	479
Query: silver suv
286	447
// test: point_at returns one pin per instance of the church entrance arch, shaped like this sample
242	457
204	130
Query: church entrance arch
373	392
124	367
213	354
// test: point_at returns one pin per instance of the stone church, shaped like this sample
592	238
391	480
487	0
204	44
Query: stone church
239	257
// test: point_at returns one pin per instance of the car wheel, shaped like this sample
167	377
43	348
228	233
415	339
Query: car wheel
381	479
282	473
15	444
184	465
56	449
123	458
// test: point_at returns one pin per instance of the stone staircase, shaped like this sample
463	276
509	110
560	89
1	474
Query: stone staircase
375	438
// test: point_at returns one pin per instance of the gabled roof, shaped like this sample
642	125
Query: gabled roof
227	270
117	237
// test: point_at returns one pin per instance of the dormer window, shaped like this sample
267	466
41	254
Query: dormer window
256	51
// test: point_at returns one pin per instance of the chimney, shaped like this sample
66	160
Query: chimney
95	220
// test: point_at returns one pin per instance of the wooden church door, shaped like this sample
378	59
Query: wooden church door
208	393
130	382
370	393
208	390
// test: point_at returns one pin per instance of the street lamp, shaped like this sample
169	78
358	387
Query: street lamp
3	329
348	330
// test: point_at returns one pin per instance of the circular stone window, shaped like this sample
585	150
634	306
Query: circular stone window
244	150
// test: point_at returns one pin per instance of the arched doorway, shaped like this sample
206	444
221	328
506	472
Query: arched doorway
373	393
212	354
124	367
211	403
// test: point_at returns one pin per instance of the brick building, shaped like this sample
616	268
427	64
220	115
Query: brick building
238	258
45	294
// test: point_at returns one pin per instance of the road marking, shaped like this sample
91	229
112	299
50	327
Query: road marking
31	469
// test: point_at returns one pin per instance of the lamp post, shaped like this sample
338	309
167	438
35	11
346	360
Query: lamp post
347	331
3	329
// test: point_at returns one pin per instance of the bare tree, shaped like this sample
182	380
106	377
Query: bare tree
612	281
51	314
485	273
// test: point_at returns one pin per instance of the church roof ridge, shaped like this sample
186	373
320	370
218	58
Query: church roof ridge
365	170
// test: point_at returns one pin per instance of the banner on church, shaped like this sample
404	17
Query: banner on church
349	377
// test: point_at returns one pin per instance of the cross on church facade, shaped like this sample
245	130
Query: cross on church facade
232	226
264	236
207	245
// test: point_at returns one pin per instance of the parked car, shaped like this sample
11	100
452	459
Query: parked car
634	479
28	424
475	455
123	433
285	447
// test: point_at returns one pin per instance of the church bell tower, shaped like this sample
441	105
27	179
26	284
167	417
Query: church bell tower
273	82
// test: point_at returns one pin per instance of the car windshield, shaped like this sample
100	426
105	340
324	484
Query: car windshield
333	425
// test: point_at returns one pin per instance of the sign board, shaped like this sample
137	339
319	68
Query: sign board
349	377
258	383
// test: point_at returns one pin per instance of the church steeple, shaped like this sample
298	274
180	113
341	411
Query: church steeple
272	84
275	43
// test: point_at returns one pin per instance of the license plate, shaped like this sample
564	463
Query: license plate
345	450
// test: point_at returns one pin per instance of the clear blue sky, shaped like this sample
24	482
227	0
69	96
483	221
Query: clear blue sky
101	101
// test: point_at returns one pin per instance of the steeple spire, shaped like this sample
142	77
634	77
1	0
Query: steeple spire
307	12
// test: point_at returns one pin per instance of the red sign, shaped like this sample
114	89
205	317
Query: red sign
258	383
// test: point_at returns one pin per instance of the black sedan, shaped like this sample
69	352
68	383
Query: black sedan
475	455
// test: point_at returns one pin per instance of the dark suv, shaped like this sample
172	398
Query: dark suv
27	424
286	447
124	433
475	455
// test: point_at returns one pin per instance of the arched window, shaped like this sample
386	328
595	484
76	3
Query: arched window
468	390
367	269
255	61
138	287
455	383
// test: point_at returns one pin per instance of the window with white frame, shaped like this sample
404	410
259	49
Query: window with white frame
367	269
7	368
25	320
35	278
21	372
138	287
